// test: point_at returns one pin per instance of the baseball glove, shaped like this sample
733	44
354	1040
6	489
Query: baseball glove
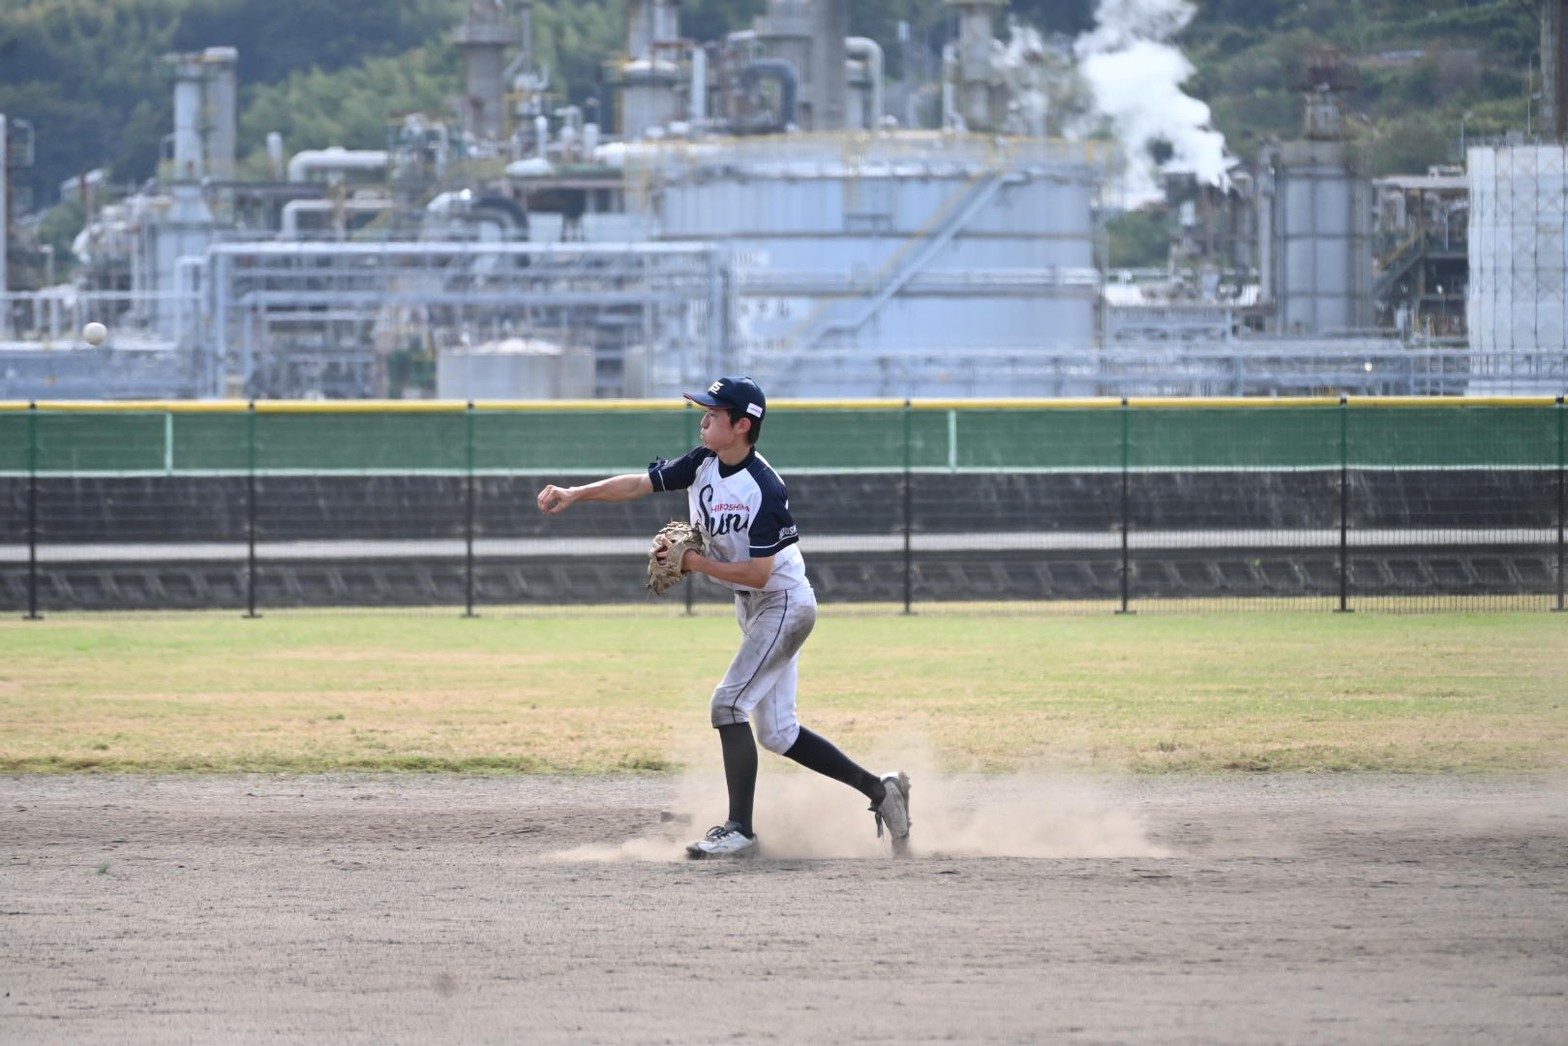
677	537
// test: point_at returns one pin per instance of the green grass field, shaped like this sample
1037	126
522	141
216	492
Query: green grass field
591	694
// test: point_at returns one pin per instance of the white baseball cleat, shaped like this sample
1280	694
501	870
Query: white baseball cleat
893	811
724	840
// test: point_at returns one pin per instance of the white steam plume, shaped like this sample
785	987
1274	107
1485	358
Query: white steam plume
1135	75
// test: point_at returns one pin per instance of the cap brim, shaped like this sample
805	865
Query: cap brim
704	399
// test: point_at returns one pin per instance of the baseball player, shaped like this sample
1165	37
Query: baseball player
742	506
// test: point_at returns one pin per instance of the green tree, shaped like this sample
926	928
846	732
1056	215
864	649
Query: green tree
575	40
1410	146
58	228
712	19
352	107
1137	239
281	37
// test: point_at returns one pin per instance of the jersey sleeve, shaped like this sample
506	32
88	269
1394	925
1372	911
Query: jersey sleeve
680	473
772	527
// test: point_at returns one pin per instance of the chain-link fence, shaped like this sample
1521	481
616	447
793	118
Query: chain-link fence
1100	505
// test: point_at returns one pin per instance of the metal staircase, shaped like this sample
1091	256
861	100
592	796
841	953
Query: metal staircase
1399	262
838	316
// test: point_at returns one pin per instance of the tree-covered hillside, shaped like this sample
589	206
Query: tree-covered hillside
88	74
1424	67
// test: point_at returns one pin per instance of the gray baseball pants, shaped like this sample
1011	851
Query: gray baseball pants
760	685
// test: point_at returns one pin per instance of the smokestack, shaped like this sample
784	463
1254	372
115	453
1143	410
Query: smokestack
1554	57
189	79
5	225
828	82
222	111
483	38
975	69
649	23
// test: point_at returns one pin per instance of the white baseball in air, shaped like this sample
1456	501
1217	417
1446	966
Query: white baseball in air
94	333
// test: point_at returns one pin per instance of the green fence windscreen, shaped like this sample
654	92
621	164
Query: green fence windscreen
1240	438
579	441
1150	503
1452	437
813	438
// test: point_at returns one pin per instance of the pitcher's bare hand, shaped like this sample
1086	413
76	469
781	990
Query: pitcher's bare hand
554	500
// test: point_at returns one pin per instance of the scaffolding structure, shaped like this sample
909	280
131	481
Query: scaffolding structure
325	319
1517	305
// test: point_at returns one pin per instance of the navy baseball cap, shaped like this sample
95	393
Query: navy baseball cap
732	394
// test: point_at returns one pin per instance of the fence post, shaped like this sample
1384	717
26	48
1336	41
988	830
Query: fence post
909	509
32	510
1344	504
250	511
468	524
1126	505
1562	500
693	436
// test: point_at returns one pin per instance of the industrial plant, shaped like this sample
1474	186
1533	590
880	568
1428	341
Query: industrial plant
766	204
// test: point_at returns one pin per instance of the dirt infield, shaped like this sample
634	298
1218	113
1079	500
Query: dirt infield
431	909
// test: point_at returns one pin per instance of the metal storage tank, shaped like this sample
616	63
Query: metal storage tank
1517	301
894	264
1321	251
515	369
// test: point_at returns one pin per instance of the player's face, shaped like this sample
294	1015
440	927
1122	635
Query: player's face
719	433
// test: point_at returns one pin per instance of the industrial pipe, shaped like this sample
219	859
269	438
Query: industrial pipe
871	52
789	86
336	158
699	86
289	225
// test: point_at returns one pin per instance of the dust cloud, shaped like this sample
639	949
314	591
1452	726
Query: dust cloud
803	816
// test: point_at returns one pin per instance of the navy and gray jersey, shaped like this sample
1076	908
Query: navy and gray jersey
743	510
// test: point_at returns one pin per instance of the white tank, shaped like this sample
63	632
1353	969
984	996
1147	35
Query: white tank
515	369
1517	301
909	264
